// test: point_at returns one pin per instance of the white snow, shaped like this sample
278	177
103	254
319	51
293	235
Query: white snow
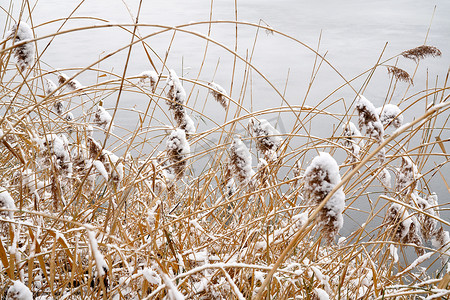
219	93
172	291
267	137
415	263
50	87
188	124
101	168
24	53
19	291
103	118
71	85
102	267
393	252
6	201
320	178
321	294
407	174
390	114
177	141
151	276
385	177
368	118
176	91
151	75
242	161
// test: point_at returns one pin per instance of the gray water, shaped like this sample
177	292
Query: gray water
352	33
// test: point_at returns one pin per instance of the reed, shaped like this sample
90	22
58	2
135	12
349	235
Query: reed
176	203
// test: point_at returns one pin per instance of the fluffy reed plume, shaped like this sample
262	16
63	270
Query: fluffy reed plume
385	177
352	140
369	119
320	178
24	54
407	176
19	291
176	92
219	93
177	98
441	241
56	146
103	119
428	225
151	75
50	87
267	138
177	151
421	52
399	74
184	122
406	229
109	165
241	162
390	114
71	84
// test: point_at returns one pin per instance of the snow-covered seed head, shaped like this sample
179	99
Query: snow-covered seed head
24	54
177	151
369	119
19	291
385	178
151	75
59	107
267	138
406	229
241	162
350	134
103	119
219	94
176	92
320	178
427	223
71	84
407	176
184	122
50	87
390	114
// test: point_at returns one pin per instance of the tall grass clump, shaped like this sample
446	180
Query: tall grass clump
104	200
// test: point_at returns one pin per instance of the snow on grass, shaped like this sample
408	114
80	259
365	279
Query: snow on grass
6	201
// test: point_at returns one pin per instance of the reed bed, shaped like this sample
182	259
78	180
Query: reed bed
168	207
